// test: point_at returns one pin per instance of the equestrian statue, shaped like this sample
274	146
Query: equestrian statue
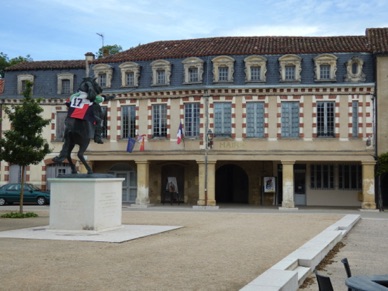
83	122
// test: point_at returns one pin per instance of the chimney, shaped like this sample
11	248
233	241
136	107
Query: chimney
89	57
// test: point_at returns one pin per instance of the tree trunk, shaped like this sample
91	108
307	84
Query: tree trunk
22	190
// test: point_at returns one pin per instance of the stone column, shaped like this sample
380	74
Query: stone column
368	185
142	197
211	194
211	183
201	183
288	184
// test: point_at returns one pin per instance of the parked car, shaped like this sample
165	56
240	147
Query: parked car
10	193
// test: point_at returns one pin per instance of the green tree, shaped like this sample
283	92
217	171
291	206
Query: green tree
24	145
6	62
108	50
381	171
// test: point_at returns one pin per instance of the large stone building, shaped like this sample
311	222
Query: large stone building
286	121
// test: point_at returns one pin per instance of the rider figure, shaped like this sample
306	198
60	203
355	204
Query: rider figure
83	105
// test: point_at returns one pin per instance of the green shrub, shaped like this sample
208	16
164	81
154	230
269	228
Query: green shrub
19	215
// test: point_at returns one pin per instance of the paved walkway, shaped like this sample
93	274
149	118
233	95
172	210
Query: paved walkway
365	247
238	242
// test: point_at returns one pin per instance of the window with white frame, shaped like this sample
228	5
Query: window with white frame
325	67
193	70
160	77
103	73
350	177
355	122
193	75
130	73
128	121
354	71
159	120
223	74
255	69
255	119
60	125
101	80
65	83
222	119
290	119
223	69
161	72
191	120
326	119
129	79
325	72
322	177
22	82
290	68
289	73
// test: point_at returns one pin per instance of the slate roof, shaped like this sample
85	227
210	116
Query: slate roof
375	41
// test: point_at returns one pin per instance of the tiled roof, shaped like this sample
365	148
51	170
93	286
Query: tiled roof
378	39
47	65
267	45
375	41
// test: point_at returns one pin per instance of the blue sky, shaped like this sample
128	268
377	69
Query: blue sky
67	29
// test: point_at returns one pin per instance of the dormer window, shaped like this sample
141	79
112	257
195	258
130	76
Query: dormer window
289	72
103	73
223	69
101	80
65	83
161	72
22	82
130	73
354	70
193	70
255	69
290	68
325	68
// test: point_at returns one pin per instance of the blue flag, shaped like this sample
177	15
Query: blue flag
131	144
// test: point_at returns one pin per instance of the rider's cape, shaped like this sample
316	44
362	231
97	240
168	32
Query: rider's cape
80	107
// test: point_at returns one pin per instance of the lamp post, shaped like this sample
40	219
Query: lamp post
102	39
208	142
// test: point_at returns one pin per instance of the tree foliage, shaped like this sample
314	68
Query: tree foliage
382	164
6	62
109	50
23	144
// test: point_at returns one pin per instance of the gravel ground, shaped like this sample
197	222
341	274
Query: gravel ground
213	250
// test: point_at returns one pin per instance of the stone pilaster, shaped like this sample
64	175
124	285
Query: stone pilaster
143	173
368	185
210	189
288	184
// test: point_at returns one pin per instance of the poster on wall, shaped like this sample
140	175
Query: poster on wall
269	185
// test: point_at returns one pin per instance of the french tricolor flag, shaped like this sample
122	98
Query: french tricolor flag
179	134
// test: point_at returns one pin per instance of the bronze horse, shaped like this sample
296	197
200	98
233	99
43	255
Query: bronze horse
79	131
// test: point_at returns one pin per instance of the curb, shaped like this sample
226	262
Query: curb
289	273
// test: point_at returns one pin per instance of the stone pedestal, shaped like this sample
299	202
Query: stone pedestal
85	203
